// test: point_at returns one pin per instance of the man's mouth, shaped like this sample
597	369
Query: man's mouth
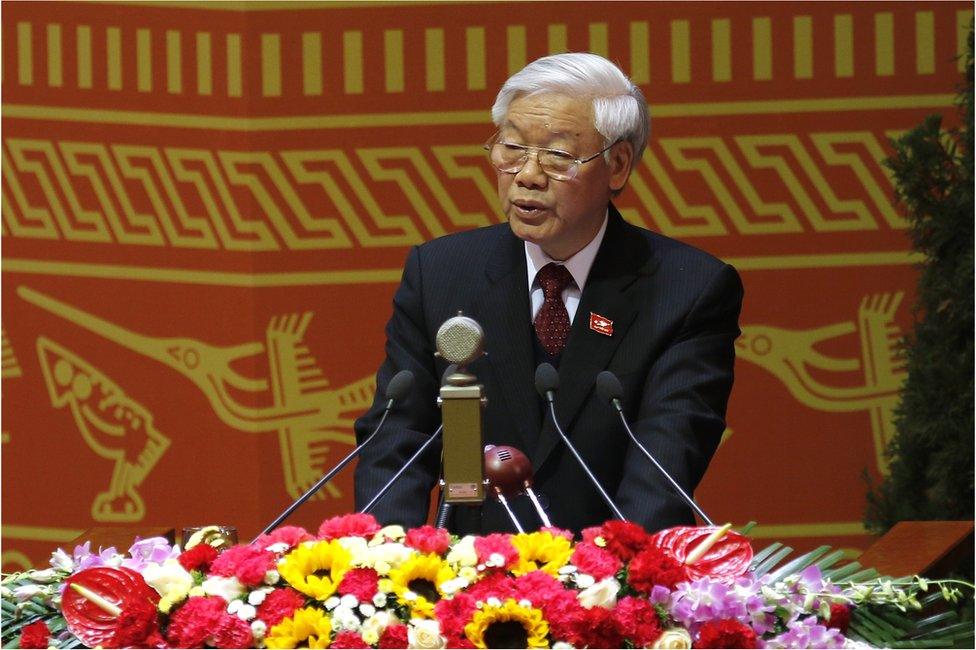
529	207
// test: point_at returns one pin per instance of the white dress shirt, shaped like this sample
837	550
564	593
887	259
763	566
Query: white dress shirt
578	265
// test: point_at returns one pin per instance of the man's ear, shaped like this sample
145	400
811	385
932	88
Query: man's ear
620	163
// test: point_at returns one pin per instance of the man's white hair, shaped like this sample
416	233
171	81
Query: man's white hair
619	108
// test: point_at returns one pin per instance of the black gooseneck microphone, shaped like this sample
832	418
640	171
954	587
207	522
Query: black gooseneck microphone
396	390
386	488
547	383
610	390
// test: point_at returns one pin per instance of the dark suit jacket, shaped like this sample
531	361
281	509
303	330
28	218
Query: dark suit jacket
675	317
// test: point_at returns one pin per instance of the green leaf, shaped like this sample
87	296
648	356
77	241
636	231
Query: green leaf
797	564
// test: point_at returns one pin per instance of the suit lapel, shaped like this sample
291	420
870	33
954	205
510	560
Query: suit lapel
503	312
620	262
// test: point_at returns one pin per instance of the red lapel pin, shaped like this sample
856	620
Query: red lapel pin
601	324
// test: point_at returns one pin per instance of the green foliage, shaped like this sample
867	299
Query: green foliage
931	454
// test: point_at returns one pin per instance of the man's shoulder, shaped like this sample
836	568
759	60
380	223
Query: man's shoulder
468	244
665	252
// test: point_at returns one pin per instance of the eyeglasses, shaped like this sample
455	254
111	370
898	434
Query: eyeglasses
510	158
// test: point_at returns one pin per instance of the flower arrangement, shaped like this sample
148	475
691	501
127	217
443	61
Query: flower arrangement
355	584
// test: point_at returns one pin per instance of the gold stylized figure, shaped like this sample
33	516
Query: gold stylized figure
9	368
307	415
112	424
825	383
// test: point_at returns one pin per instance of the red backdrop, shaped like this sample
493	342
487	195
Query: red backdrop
206	207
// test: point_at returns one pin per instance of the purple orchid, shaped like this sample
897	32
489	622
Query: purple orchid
152	550
808	633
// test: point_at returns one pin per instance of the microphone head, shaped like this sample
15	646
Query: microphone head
608	387
546	379
400	385
460	340
508	469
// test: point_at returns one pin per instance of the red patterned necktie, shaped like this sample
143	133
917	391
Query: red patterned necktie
552	321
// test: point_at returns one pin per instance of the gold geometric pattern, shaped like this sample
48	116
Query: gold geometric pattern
112	424
10	367
295	401
868	382
298	199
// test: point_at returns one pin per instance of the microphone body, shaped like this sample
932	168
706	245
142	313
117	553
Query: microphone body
608	387
547	383
397	389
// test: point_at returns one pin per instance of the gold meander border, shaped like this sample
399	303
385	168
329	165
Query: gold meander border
438	118
392	275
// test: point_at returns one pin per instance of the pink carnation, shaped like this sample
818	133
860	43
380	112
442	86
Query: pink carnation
454	614
394	637
594	561
557	532
278	605
290	535
495	584
354	525
233	632
361	583
428	539
348	639
249	564
194	621
499	543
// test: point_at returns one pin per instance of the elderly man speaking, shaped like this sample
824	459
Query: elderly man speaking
566	281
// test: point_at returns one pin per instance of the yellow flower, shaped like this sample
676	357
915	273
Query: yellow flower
499	625
316	569
417	583
306	628
541	552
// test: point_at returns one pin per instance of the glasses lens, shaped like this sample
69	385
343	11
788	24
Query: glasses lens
557	164
507	157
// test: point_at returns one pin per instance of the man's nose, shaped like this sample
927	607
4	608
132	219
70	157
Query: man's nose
531	174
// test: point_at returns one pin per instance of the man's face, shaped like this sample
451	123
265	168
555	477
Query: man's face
560	216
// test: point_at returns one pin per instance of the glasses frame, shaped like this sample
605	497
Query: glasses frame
529	150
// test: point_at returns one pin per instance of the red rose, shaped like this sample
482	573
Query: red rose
249	564
195	620
394	636
279	604
637	621
233	632
428	539
348	639
652	567
726	633
595	561
35	635
361	583
840	617
199	557
354	525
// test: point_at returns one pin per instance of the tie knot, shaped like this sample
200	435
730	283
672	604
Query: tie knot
554	278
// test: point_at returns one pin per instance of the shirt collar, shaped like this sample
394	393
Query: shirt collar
578	265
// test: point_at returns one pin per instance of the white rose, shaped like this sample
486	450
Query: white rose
226	588
463	552
602	594
673	638
169	579
426	634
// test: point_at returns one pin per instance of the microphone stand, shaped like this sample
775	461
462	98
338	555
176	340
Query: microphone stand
389	484
325	479
579	459
691	502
